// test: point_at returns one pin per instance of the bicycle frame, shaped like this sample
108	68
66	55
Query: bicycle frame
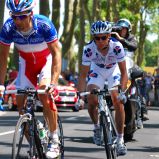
106	121
103	108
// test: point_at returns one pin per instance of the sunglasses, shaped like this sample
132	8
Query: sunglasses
20	17
102	38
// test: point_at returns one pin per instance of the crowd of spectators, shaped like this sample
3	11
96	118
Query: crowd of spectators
149	88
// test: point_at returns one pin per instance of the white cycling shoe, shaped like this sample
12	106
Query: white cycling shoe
53	149
121	148
97	137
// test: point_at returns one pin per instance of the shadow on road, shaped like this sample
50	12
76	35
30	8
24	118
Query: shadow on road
79	139
5	156
145	149
150	126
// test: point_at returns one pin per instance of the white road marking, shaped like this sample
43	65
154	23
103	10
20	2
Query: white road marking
2	113
6	133
156	156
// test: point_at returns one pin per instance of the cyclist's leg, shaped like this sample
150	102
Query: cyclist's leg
44	80
95	80
113	81
49	114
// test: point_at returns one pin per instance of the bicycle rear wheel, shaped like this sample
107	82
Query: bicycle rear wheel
108	137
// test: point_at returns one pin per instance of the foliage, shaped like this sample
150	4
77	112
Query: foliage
152	52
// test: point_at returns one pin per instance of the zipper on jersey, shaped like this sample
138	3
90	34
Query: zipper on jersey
34	58
27	39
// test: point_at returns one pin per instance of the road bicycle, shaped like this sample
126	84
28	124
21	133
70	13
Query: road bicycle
107	124
26	140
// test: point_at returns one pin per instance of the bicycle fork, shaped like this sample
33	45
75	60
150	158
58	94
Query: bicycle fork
103	108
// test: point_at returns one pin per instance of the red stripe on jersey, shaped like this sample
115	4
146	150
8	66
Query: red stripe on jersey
34	64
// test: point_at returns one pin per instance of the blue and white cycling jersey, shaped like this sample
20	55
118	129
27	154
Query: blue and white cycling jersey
43	32
35	57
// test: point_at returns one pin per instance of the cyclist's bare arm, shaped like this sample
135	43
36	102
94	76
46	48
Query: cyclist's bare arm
124	76
56	61
4	53
82	77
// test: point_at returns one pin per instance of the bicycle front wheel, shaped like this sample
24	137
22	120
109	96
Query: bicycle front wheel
21	147
61	138
107	137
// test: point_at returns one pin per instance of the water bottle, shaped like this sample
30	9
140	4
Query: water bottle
41	130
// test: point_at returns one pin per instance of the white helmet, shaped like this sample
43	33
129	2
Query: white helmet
101	27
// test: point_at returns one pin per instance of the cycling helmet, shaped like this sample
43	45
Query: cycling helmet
18	6
101	27
124	23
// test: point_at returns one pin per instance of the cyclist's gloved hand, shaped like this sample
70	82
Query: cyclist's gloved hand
79	104
52	89
122	97
2	88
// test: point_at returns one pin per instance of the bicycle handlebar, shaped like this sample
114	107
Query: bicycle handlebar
94	91
25	91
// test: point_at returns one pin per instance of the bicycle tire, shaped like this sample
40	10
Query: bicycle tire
61	137
110	151
22	148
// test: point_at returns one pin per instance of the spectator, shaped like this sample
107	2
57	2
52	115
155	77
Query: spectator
156	86
148	87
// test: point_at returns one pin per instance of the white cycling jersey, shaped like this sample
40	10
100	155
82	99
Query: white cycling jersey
103	68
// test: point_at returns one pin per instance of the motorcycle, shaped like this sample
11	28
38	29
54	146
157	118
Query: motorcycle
133	106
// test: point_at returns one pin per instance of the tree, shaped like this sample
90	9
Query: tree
69	27
2	13
44	7
56	13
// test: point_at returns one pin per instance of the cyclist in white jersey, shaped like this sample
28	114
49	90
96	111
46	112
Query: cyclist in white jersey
99	61
35	37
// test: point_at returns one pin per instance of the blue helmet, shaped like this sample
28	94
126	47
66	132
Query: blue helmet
101	27
17	6
124	23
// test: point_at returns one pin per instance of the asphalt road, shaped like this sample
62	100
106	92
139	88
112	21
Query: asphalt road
78	137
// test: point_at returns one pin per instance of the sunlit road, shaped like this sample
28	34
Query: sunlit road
78	137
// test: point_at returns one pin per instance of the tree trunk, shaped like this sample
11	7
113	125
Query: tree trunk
69	26
143	33
56	14
115	10
82	33
108	16
44	7
2	13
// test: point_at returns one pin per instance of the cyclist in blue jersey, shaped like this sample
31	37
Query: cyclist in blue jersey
100	59
35	37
